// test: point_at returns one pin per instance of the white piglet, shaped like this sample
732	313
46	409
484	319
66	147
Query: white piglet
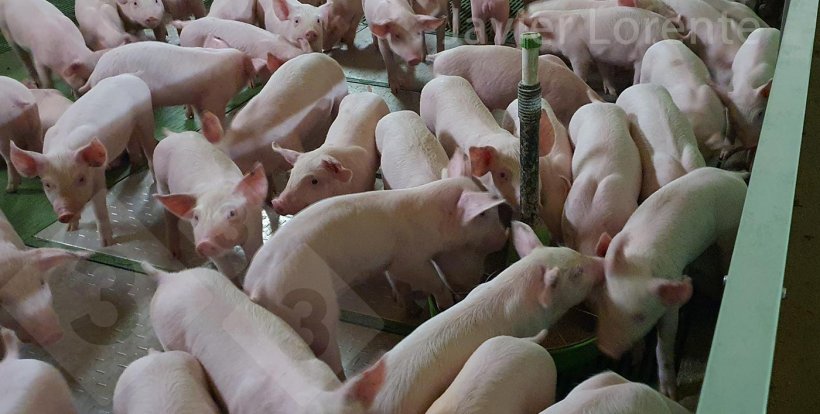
19	123
495	12
51	104
340	21
297	22
244	11
410	154
100	23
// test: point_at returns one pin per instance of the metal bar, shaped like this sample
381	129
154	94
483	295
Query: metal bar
529	115
739	371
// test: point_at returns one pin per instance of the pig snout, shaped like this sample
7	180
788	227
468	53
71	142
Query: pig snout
65	217
151	22
414	61
311	36
281	207
208	248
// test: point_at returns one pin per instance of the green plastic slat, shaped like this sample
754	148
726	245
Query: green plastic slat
740	363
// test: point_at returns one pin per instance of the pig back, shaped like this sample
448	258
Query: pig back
411	155
15	99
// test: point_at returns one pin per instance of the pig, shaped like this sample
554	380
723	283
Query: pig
306	91
53	44
163	382
714	38
606	176
198	183
656	6
496	12
138	15
610	393
190	81
296	22
267	50
254	360
453	111
239	10
31	386
305	262
671	64
497	83
398	31
554	168
439	9
524	299
663	135
184	9
94	130
51	104
101	25
340	22
586	37
505	374
743	15
24	289
346	163
410	154
19	123
753	73
644	263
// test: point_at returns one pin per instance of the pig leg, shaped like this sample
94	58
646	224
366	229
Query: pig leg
25	57
171	225
667	333
44	74
14	176
198	9
440	39
423	276
456	6
606	76
480	29
144	135
500	33
636	77
160	33
349	38
189	111
214	104
100	207
134	150
403	295
390	65
580	64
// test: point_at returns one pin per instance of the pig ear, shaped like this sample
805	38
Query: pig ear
94	154
258	65
472	203
211	127
380	30
339	172
551	280
214	42
546	134
628	3
180	205
281	9
273	62
72	69
764	90
481	159
289	155
366	386
28	163
459	165
254	186
603	245
429	22
672	293
48	258
524	239
122	1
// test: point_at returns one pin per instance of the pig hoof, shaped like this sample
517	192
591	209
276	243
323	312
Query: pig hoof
107	241
73	226
11	189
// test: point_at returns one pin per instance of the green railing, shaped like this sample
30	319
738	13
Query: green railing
739	371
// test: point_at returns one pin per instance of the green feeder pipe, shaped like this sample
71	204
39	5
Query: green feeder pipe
529	113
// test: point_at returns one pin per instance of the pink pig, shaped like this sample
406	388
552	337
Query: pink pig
610	393
656	6
137	15
96	129
53	44
24	289
19	123
398	31
410	154
438	9
606	171
523	300
496	83
304	262
31	386
163	382
244	11
101	25
51	104
505	374
496	12
189	81
645	285
346	163
664	137
198	183
295	21
184	9
340	22
269	368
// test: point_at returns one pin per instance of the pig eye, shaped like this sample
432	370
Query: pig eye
397	36
296	21
232	214
81	180
314	181
196	217
47	185
502	175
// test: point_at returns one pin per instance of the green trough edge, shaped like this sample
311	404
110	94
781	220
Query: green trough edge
738	373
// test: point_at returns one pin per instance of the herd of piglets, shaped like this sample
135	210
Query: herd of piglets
629	192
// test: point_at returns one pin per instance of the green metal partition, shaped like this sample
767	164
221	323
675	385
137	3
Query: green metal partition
739	371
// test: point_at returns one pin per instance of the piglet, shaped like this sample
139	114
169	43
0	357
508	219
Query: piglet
163	382
346	163
494	11
53	44
138	15
184	9
306	261
664	137
340	22
671	64
656	6
198	183
398	31
94	130
610	393
645	285
505	374
297	22
19	123
606	171
439	9
189	81
523	300
31	386
51	104
24	291
238	10
254	360
743	15
497	83
410	154
101	25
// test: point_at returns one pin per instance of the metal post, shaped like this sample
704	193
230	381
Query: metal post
529	113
